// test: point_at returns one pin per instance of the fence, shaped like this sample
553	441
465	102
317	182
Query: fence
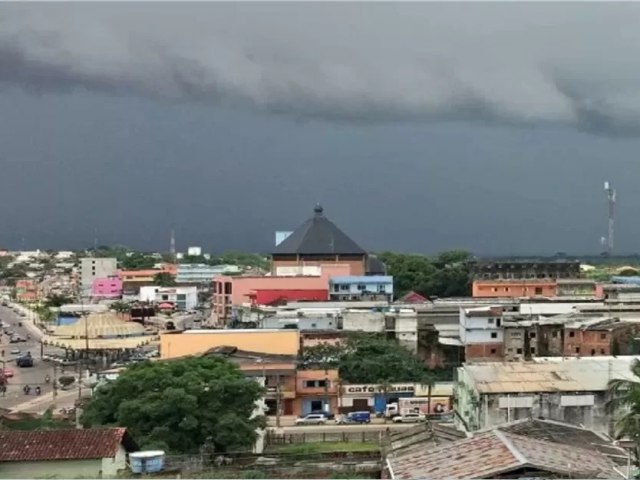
273	438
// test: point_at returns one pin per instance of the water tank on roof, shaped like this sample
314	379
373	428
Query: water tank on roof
149	461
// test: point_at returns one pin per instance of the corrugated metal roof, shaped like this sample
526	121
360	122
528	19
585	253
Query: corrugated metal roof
550	375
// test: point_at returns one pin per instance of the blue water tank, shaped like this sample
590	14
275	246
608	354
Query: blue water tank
149	461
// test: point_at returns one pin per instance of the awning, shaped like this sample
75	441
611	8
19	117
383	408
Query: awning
128	343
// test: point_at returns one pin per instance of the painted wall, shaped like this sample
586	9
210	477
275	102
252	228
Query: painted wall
513	288
106	287
286	342
266	297
357	266
52	469
357	285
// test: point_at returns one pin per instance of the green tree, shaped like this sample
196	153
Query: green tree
367	358
164	279
181	405
56	300
119	307
623	405
137	261
444	276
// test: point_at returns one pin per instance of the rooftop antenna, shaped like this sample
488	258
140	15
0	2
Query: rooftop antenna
611	200
172	245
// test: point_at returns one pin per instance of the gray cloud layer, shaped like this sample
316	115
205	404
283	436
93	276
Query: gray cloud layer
565	63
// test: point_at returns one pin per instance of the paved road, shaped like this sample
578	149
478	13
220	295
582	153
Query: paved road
379	427
34	376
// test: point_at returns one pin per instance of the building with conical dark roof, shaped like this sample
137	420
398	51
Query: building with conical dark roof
319	241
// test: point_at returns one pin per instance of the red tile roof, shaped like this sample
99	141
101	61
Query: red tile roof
42	445
492	453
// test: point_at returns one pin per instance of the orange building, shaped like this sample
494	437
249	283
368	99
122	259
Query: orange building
514	288
318	242
195	342
147	275
316	391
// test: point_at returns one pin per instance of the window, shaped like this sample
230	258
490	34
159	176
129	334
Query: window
519	351
554	334
593	351
506	289
602	351
577	349
493	351
498	321
532	350
509	349
603	336
572	334
532	335
538	291
490	320
494	334
495	289
362	287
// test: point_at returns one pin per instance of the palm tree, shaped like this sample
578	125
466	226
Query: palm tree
624	405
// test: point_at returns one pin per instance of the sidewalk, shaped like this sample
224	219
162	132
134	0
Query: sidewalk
42	403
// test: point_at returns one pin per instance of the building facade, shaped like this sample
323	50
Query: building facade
555	388
514	288
481	332
183	298
106	288
361	288
524	269
201	273
92	268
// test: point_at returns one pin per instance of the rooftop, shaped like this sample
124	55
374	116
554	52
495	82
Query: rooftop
318	236
497	452
550	374
43	445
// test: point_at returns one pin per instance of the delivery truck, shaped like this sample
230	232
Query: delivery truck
439	405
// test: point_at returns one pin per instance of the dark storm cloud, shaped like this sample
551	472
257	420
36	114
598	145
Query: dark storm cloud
515	64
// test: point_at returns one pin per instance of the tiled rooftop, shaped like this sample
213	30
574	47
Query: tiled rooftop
492	453
25	446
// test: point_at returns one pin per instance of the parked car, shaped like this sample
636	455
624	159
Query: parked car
7	372
312	419
409	418
355	417
328	415
17	339
15	351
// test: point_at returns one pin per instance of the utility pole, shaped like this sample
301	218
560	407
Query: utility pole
55	385
278	401
611	201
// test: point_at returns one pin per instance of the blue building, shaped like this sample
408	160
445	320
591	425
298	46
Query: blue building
201	273
361	288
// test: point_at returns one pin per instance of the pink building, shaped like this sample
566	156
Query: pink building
230	290
110	287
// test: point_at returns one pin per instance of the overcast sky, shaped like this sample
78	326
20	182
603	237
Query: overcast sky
419	126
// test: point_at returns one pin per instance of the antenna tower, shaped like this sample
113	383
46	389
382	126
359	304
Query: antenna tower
172	245
611	200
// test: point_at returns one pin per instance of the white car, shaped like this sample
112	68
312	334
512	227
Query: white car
409	418
312	419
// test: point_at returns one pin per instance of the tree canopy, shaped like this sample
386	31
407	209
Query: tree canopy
164	279
446	275
368	358
181	405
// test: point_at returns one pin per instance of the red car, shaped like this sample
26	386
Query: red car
8	373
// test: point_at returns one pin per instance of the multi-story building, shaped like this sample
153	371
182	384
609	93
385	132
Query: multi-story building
521	278
110	287
92	268
197	273
183	298
481	332
318	242
362	287
524	269
568	390
26	290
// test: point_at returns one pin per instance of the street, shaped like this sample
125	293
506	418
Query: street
34	376
372	427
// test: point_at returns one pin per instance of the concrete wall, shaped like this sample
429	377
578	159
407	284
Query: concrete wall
364	321
286	342
407	331
92	268
52	469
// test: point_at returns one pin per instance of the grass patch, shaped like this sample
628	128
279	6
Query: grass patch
325	447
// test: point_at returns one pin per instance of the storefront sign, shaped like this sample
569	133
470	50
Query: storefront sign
373	389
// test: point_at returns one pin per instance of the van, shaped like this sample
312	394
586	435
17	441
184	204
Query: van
356	417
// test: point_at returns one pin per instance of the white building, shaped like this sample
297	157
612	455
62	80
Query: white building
92	268
194	251
184	298
481	325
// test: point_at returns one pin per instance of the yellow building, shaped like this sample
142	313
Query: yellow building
195	342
